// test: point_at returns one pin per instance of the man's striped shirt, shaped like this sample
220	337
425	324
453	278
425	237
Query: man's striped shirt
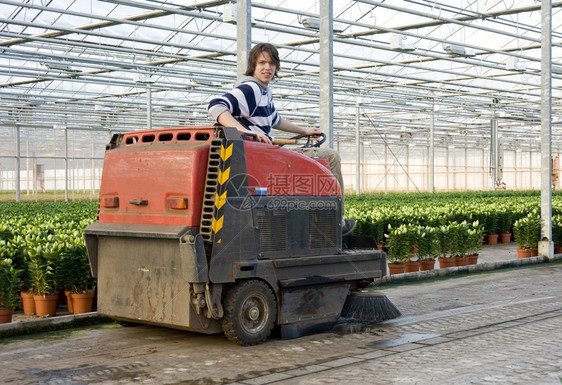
251	103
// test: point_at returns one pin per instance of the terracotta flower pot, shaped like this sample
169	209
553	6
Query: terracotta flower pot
473	259
46	305
523	253
69	301
427	264
505	237
446	262
82	302
534	251
461	261
411	266
396	268
28	303
557	249
6	316
492	239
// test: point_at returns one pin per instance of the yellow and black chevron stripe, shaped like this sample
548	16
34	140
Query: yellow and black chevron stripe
221	194
218	174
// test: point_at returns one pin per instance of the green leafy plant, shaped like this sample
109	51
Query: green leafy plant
34	234
528	230
400	243
458	233
475	234
76	265
9	284
557	230
443	241
492	223
427	243
505	221
41	276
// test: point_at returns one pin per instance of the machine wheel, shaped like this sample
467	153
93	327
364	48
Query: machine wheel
250	311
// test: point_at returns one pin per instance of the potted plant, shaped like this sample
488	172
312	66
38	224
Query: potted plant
9	287
475	233
83	284
14	249
492	227
42	285
557	233
527	234
379	227
444	244
66	274
400	243
505	224
460	242
427	247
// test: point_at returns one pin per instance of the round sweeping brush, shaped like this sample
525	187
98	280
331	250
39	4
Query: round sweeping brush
368	307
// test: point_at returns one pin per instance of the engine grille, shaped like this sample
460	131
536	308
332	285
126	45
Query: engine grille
273	230
322	230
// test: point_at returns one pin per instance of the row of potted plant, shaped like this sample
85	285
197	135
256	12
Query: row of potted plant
43	244
46	276
496	211
9	287
451	244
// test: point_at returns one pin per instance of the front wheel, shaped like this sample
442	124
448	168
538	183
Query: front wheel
249	312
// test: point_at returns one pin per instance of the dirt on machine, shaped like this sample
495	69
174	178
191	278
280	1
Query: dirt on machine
202	229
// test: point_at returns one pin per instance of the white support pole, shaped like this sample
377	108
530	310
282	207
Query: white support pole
66	164
407	168
18	168
28	174
546	246
432	149
92	167
327	70
357	146
244	35
149	106
494	149
385	166
447	167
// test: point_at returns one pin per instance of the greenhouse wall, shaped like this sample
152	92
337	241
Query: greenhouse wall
455	169
382	168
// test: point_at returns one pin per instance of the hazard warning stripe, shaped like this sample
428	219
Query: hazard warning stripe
224	175
217	224
226	152
220	200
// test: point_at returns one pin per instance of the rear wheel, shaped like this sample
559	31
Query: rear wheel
249	312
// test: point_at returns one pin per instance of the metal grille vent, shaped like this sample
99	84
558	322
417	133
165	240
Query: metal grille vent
211	188
273	230
322	228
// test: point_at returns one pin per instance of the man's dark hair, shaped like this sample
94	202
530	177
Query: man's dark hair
255	53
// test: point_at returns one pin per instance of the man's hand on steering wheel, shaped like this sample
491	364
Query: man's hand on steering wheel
313	131
321	138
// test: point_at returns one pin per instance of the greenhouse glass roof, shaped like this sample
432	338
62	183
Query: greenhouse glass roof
91	64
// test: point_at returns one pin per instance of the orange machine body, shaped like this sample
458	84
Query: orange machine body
157	177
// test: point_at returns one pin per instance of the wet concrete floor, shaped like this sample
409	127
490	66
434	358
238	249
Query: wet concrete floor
496	327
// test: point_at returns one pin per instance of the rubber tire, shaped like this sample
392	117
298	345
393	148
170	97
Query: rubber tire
237	323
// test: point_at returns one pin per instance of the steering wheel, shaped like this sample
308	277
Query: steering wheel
309	140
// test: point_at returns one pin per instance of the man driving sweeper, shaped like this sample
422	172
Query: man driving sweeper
249	107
